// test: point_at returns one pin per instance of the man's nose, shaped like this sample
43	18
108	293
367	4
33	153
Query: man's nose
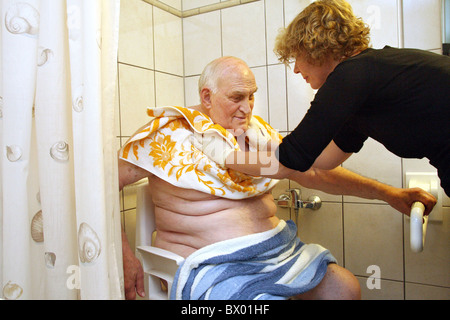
246	106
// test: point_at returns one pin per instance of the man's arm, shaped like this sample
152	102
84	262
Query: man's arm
132	269
129	173
345	182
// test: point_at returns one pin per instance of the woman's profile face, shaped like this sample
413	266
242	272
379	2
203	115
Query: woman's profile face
315	75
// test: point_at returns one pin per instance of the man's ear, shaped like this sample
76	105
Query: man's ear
205	97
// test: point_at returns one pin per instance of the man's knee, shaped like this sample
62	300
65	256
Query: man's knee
337	284
344	283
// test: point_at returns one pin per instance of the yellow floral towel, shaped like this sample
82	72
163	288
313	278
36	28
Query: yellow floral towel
163	147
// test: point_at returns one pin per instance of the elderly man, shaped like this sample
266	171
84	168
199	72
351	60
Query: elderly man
223	221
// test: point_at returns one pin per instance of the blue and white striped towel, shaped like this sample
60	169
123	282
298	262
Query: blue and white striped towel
273	264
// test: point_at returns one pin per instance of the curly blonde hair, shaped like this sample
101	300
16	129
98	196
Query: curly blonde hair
324	28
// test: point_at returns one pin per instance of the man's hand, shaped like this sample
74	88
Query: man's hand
132	272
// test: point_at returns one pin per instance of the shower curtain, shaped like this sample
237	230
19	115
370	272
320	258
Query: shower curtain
59	204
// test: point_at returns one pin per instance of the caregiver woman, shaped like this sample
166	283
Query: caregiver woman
399	97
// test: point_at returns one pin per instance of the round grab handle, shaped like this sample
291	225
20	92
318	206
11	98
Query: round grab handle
418	227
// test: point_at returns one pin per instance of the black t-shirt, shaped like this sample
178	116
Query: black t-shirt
399	97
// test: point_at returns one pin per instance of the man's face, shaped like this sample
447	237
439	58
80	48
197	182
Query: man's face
232	104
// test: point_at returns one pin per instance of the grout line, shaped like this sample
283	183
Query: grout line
154	56
165	7
200	10
267	63
221	33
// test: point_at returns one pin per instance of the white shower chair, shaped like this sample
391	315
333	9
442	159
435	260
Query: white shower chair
157	263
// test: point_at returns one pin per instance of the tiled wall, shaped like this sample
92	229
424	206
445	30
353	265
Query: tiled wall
164	46
150	73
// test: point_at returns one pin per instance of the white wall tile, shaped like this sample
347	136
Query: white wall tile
388	290
173	3
243	33
277	97
274	21
261	107
130	227
300	95
202	41
376	162
382	17
437	51
129	197
136	87
136	33
292	8
422	24
168	42
191	91
414	291
432	265
324	227
192	4
373	236
169	90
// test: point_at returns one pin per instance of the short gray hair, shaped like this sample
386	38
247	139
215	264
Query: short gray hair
213	71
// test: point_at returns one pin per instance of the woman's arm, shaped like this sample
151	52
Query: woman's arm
265	163
261	163
336	181
331	157
345	182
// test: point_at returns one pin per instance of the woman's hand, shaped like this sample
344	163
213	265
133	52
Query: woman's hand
403	199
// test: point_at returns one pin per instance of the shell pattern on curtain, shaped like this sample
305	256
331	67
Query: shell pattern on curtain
59	205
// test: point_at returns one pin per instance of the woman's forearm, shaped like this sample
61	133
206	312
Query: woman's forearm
338	181
262	163
343	182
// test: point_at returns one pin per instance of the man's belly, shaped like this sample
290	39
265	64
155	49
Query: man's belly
185	225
